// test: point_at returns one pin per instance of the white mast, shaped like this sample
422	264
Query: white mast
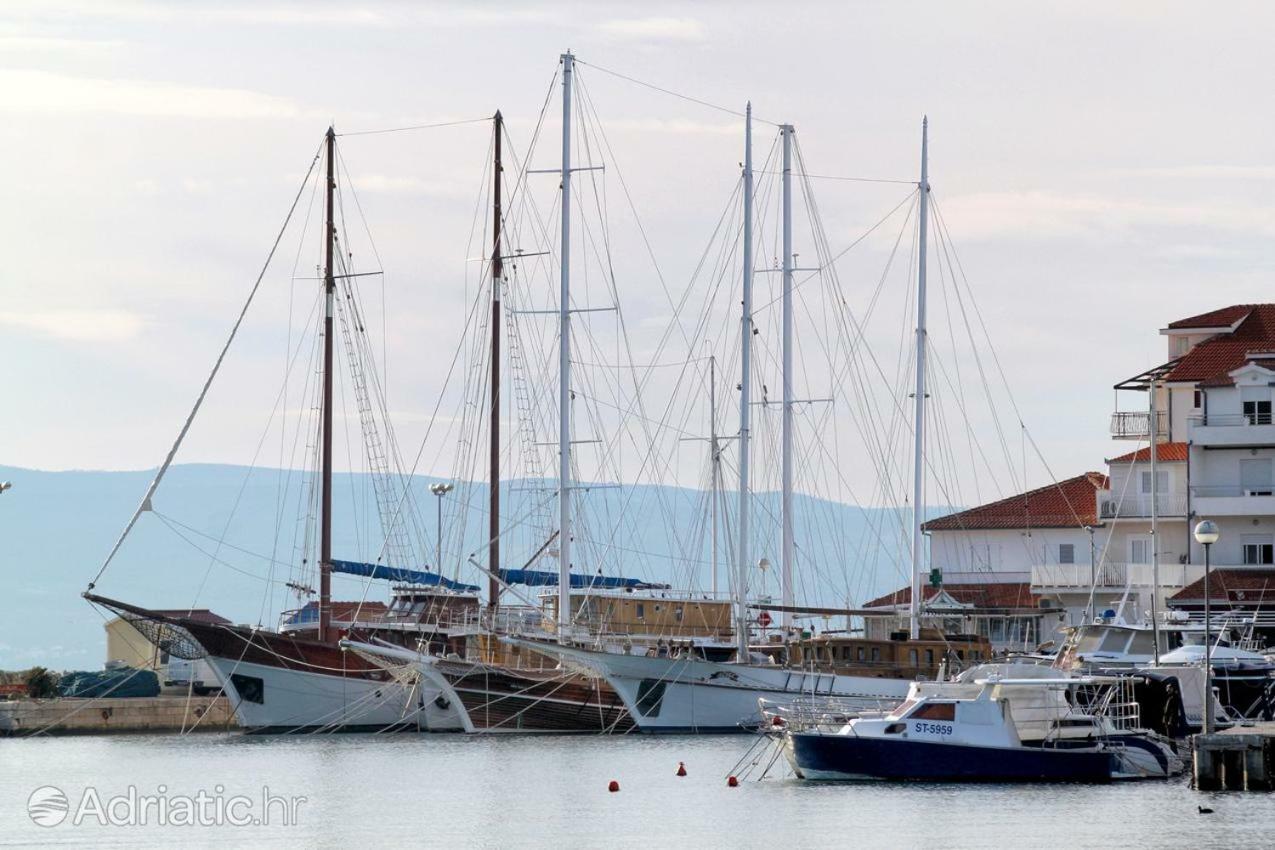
564	367
745	403
918	462
787	553
714	455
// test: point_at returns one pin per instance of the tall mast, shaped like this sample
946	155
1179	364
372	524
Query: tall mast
786	431
918	460
564	366
1153	431
497	271
325	508
745	403
714	455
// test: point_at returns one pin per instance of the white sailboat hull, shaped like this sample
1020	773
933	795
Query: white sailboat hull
690	695
294	700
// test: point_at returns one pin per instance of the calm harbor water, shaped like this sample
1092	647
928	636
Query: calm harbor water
522	791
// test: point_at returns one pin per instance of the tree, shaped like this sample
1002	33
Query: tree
41	684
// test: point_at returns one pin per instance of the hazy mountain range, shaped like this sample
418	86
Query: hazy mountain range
57	527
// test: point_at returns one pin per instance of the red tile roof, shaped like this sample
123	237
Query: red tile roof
1167	452
1223	318
1067	504
1212	359
1015	594
1231	585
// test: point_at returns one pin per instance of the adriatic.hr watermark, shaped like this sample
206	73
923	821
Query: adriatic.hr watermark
49	806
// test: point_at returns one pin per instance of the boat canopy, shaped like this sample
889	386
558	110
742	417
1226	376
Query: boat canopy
540	578
380	571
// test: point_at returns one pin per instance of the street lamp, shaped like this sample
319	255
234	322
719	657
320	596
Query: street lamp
440	490
1207	534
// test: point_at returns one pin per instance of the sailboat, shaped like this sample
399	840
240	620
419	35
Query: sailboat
493	683
298	677
696	694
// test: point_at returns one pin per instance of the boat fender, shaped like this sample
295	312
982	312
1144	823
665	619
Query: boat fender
732	782
681	768
613	786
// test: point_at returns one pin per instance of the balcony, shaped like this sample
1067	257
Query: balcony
1233	429
1135	424
1113	576
1216	500
1167	505
1077	576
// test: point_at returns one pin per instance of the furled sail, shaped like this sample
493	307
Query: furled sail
380	571
539	578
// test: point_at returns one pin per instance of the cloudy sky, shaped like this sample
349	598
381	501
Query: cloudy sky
1103	168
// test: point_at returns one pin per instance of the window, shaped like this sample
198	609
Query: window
860	653
641	611
876	653
677	613
1258	548
1140	550
1255	476
929	657
1161	481
1066	553
912	657
1197	400
935	711
1257	405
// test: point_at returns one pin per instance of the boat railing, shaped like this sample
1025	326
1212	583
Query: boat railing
1118	704
814	713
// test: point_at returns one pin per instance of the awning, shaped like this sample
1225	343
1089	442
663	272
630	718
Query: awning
384	573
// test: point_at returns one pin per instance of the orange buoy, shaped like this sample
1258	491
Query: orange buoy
681	768
732	782
614	786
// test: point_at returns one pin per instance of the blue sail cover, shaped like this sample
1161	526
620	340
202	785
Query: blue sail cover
539	578
380	571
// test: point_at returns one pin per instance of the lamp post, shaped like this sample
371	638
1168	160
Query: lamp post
1206	533
440	490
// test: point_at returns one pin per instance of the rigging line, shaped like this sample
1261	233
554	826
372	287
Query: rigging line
181	436
832	261
484	119
672	93
838	177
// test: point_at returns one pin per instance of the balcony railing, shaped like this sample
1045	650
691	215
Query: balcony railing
1135	424
1231	490
1166	505
1230	420
1079	575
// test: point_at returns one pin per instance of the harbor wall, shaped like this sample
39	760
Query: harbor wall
67	716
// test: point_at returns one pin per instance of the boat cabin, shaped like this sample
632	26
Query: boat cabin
895	658
661	615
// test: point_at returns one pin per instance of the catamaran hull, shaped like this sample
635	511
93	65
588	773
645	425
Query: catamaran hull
689	695
847	757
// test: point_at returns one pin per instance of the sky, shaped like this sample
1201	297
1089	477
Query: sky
1102	168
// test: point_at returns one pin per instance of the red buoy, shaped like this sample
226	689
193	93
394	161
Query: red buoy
776	721
614	786
681	768
732	782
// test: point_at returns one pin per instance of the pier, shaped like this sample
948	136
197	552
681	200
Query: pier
68	716
1235	759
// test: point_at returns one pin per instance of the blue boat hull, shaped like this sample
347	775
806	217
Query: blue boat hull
846	757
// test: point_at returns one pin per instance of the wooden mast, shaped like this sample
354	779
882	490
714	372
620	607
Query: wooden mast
497	269
325	508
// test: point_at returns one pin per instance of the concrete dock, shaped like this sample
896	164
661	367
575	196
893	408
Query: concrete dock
1236	759
66	716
